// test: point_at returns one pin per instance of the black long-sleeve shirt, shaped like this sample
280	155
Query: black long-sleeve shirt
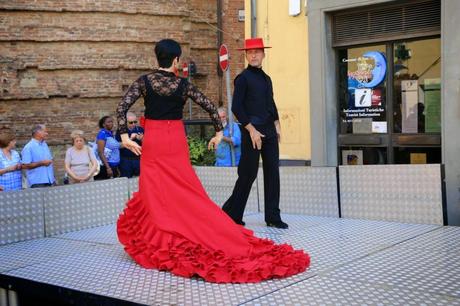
165	84
253	97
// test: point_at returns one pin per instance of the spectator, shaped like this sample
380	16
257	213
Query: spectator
38	160
223	152
10	162
130	162
105	140
80	161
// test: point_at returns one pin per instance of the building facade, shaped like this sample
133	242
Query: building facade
387	89
368	82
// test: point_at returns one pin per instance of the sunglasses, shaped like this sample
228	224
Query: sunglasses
132	122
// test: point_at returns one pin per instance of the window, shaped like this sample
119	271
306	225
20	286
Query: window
389	98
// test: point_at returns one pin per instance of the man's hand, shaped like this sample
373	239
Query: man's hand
130	145
227	140
214	142
46	162
278	129
256	136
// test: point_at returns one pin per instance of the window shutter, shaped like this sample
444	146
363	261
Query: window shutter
386	22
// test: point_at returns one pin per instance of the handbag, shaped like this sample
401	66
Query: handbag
98	168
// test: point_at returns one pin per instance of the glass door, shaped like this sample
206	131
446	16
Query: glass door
417	101
363	125
389	103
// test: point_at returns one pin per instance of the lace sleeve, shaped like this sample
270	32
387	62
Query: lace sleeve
134	92
199	98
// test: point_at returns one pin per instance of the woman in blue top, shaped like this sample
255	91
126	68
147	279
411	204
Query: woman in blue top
10	162
108	149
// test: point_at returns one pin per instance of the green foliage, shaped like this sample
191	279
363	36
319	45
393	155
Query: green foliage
199	153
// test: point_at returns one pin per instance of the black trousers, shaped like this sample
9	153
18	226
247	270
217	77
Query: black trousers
129	167
247	173
102	175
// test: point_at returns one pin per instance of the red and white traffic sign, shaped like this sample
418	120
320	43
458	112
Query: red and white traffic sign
185	70
223	57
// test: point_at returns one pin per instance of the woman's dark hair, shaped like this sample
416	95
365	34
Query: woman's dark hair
166	51
102	121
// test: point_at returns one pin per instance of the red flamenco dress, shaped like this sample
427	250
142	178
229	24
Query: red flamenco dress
171	224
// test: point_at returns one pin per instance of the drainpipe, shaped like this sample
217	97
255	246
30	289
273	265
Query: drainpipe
253	18
220	39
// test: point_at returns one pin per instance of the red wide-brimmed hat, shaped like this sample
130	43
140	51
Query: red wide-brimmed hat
253	43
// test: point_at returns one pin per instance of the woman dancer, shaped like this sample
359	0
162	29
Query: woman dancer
171	223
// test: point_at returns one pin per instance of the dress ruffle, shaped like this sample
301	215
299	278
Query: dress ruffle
152	247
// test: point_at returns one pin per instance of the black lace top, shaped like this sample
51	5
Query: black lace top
164	84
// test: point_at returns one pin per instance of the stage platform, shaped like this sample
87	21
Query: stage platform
354	262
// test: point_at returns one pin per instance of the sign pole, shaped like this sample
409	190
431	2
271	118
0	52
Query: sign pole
229	112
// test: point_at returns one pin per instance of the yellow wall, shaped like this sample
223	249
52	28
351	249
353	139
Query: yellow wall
287	65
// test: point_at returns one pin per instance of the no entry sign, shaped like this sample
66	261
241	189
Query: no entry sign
185	70
223	57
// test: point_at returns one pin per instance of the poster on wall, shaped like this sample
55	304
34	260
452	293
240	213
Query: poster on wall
432	105
363	97
409	98
418	158
365	94
362	125
379	127
352	157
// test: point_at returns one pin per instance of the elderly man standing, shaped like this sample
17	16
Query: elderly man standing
129	162
38	160
255	108
224	149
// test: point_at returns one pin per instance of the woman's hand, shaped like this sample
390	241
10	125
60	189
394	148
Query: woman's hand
214	142
130	145
12	168
109	171
80	179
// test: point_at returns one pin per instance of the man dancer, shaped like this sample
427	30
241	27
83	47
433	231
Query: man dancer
255	109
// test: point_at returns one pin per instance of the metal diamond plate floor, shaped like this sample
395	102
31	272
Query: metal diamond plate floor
354	262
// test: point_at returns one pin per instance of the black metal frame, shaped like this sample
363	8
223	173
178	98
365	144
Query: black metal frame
390	140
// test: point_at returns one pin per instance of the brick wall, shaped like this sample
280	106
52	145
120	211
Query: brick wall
67	63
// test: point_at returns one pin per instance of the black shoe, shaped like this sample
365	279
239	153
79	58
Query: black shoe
278	224
240	223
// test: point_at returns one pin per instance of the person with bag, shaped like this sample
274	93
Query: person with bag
108	150
10	162
80	161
